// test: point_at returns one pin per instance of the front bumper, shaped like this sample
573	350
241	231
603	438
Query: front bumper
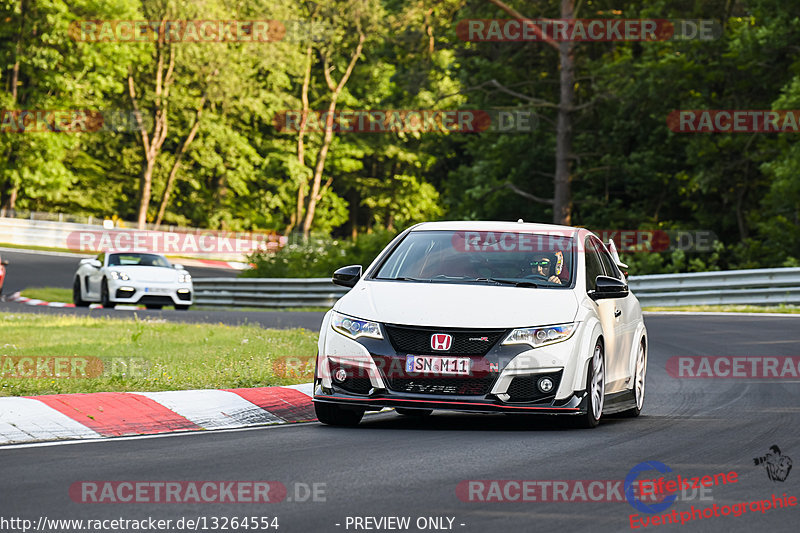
503	379
150	292
573	405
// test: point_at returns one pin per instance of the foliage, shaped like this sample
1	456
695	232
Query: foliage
629	171
318	257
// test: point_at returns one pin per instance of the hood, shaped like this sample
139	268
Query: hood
458	305
148	273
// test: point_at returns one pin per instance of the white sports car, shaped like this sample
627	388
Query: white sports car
484	317
114	278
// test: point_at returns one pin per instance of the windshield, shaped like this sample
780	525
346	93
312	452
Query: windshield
527	259
138	260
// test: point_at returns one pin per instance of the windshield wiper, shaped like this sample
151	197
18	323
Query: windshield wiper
514	282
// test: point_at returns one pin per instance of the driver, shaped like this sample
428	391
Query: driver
544	264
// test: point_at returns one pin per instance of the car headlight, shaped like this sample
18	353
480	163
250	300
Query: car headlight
355	328
536	337
184	278
119	275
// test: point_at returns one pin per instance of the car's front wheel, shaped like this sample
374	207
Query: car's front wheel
105	298
181	307
595	388
335	415
77	297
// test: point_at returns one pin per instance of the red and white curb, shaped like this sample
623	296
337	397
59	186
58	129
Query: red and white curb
16	297
116	414
212	263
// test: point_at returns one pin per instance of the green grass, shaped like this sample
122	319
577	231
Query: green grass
48	294
146	355
788	309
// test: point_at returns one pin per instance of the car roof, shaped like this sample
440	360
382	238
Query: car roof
484	225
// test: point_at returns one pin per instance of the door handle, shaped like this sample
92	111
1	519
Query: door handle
617	313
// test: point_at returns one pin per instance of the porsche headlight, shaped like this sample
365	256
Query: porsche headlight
354	327
536	337
184	277
119	275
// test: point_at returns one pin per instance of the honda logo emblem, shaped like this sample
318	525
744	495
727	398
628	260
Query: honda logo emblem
441	341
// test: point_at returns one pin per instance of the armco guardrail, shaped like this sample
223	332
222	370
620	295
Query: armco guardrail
756	287
261	292
760	286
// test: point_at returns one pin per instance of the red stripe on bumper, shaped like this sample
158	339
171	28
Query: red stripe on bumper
380	400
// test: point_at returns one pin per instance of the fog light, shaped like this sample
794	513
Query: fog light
340	375
545	384
182	291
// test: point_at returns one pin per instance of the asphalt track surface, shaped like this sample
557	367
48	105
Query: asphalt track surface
27	269
394	466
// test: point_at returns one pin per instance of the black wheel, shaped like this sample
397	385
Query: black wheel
181	307
154	306
638	383
105	299
419	413
335	415
595	389
77	298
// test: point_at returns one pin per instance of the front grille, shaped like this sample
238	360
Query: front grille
417	340
525	389
459	386
156	300
357	380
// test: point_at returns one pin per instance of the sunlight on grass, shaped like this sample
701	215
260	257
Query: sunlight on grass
145	355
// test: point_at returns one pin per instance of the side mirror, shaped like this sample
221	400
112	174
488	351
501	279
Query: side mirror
178	267
91	262
608	287
4	262
347	276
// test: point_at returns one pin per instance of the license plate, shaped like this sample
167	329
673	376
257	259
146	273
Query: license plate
460	366
158	290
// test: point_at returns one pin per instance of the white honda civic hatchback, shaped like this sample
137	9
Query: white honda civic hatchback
484	317
114	278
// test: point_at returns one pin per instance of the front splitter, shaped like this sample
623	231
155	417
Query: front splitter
574	405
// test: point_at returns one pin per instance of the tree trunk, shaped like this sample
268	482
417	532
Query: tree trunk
336	89
171	179
562	209
301	147
151	145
